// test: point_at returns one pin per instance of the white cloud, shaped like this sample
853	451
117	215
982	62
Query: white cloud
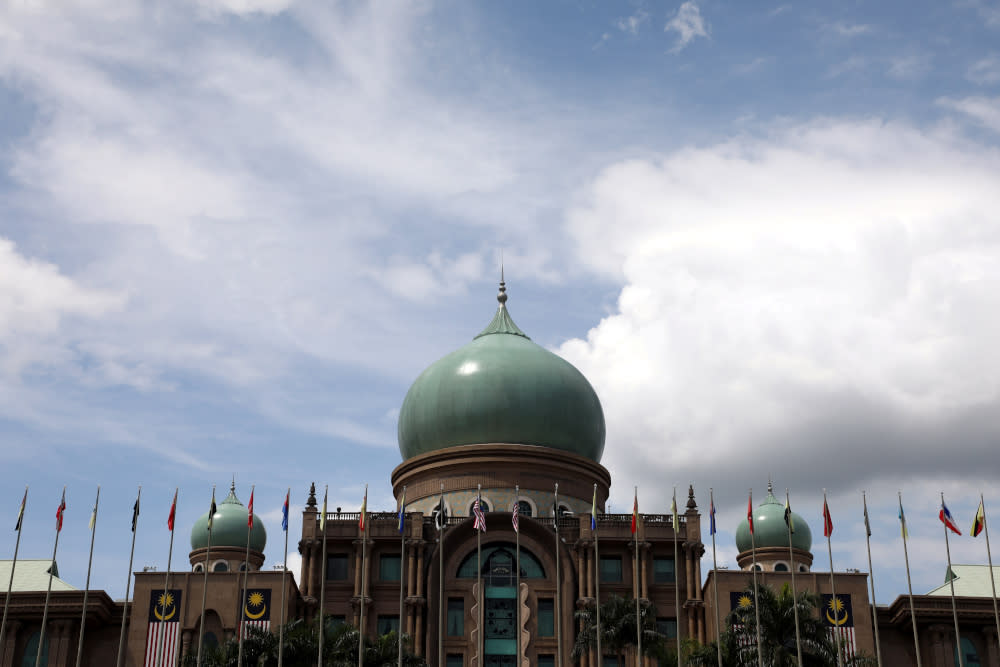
985	71
244	6
908	67
688	24
844	29
984	110
631	24
810	296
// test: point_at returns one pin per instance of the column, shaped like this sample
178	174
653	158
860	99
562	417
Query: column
420	569
309	552
411	570
990	638
357	568
9	643
418	637
645	571
185	642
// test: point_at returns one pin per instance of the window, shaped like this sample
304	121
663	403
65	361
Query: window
611	569
485	506
388	567
524	508
455	660
667	627
780	567
335	621
803	568
336	567
546	661
199	567
610	661
387	624
243	566
211	641
546	617
456	617
31	651
220	566
497	557
663	571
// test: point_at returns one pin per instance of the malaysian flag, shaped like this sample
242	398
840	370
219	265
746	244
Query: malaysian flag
164	628
257	610
477	511
839	617
514	511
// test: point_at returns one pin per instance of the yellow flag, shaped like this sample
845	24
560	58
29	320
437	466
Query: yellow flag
673	510
322	516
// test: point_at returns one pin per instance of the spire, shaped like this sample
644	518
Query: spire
691	504
311	502
502	322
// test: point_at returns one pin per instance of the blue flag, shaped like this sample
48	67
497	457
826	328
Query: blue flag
402	512
284	513
711	516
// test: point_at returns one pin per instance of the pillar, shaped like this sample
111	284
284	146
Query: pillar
9	642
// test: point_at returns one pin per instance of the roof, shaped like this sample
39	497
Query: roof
971	581
33	575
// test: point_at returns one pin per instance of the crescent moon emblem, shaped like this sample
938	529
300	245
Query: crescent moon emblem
254	617
836	621
169	616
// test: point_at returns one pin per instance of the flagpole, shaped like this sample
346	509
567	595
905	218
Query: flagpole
517	579
402	572
597	576
86	590
871	574
715	578
951	583
441	528
322	583
246	572
753	566
909	585
480	642
989	558
791	568
555	521
166	581
48	593
204	588
638	614
364	579
827	521
677	587
13	565
128	581
284	584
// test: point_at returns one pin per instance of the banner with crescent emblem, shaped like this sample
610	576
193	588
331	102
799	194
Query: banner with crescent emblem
741	601
163	632
257	608
838	615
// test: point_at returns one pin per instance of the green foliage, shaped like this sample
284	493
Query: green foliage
301	640
618	628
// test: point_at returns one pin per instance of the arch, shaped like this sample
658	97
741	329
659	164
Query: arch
970	656
220	566
498	562
198	567
484	502
31	651
781	566
564	509
525	507
803	568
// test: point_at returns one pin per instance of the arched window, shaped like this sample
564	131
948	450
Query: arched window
780	567
803	568
757	567
31	652
969	653
220	566
211	641
199	567
483	504
524	508
498	565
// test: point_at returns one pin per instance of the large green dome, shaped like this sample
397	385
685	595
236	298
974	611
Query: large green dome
229	527
769	528
502	388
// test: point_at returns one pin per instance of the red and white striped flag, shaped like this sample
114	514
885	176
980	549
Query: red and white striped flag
164	622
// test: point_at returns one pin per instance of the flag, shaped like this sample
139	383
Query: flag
902	521
402	511
211	511
322	516
364	510
789	521
135	513
635	511
477	510
827	520
948	520
441	514
164	626
59	512
750	511
257	609
284	512
711	516
868	525
673	509
980	521
593	511
20	510
250	510
173	513
93	519
514	511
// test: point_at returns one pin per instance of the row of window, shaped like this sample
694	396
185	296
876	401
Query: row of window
610	568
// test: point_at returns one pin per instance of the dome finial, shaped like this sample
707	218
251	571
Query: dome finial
232	486
502	294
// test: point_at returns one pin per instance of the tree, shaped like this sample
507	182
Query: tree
340	648
618	628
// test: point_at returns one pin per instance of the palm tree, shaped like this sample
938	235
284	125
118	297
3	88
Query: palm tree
618	628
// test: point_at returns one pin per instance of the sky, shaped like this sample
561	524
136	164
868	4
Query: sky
233	232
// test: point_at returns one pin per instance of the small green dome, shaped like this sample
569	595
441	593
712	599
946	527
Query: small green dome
769	528
502	388
229	526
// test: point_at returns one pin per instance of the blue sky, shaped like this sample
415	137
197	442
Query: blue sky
233	232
